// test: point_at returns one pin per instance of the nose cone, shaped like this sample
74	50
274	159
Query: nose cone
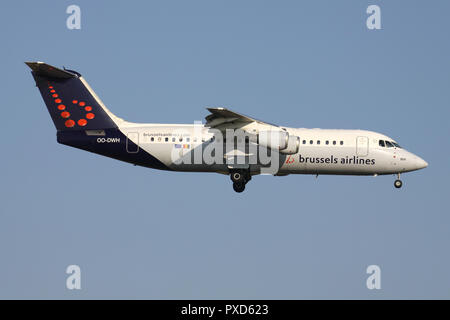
420	163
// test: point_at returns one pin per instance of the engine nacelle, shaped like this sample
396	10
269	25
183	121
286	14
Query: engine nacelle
292	146
273	139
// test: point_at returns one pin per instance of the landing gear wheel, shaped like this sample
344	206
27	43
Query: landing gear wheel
237	177
240	179
398	183
238	187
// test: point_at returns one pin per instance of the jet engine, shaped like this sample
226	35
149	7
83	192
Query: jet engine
292	145
279	140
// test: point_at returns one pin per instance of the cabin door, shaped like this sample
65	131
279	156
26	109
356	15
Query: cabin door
362	146
132	142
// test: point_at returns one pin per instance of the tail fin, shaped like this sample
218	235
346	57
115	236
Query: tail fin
72	104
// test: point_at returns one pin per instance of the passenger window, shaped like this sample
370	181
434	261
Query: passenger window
381	143
327	142
318	141
334	142
342	143
180	139
167	139
173	139
311	142
304	141
188	139
152	139
388	144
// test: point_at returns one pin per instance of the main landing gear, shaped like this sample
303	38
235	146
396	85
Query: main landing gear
240	179
398	183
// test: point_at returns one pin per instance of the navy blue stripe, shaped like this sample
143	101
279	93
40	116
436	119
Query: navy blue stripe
116	147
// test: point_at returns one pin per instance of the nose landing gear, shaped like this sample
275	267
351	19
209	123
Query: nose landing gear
238	187
398	183
240	179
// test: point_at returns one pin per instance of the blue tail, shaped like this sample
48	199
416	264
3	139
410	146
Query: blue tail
72	104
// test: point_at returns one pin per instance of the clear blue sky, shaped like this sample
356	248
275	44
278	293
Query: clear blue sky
142	233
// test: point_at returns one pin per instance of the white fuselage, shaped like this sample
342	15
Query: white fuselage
321	151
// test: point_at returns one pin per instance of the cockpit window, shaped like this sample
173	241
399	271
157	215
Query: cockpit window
388	144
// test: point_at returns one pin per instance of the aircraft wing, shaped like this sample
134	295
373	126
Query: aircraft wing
221	118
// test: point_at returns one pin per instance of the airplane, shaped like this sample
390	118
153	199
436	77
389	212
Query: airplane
229	143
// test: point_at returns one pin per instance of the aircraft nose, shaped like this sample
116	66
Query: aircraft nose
420	163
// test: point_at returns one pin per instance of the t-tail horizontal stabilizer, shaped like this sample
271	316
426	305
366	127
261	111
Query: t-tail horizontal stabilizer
71	102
